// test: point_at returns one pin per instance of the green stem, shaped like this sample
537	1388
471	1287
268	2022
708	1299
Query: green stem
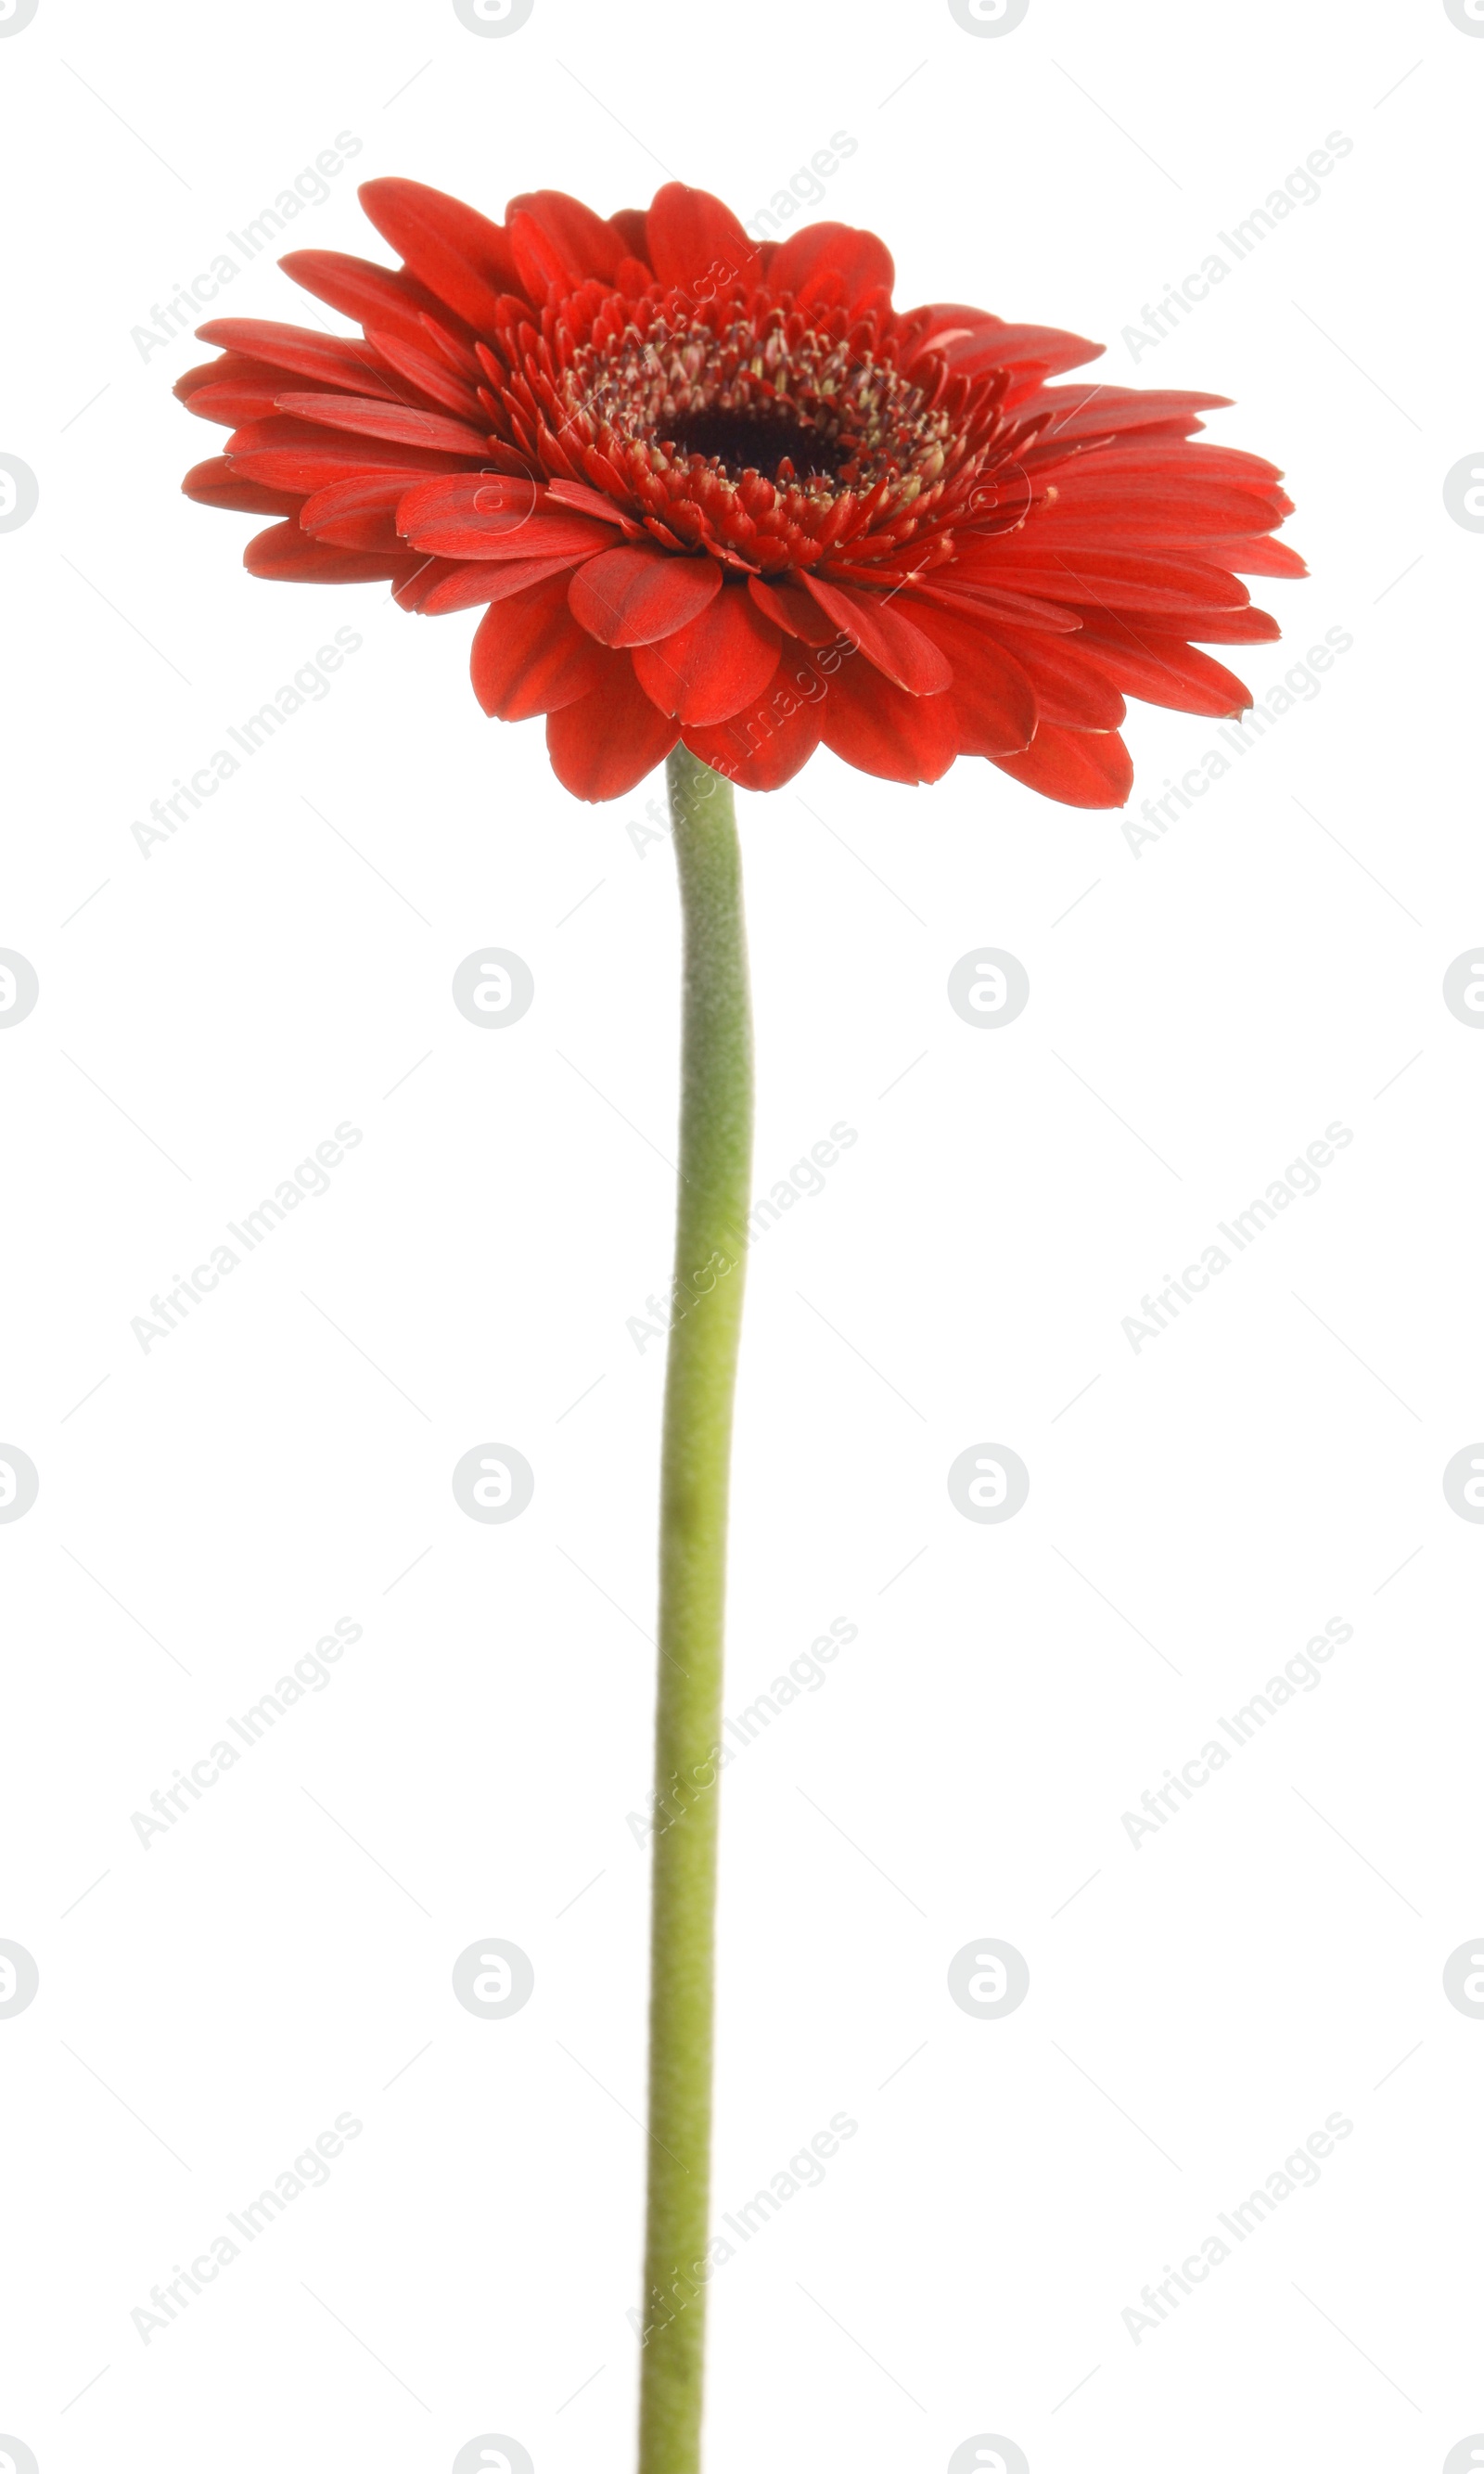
715	1151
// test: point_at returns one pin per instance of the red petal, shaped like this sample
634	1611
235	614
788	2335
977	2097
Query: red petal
584	242
764	746
633	224
374	295
468	583
460	254
603	746
695	240
709	669
334	360
1072	685
823	254
880	729
1119	579
884	635
401	424
790	608
636	595
493	517
214	484
530	656
357	514
285	555
993	701
1263	557
1081	768
1164	669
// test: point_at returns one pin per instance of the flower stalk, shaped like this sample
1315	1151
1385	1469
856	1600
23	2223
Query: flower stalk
715	1168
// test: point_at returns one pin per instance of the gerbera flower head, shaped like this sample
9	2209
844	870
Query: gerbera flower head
722	491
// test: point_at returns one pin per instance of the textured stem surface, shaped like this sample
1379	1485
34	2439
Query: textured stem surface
716	1148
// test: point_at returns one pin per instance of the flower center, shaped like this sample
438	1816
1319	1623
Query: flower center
764	438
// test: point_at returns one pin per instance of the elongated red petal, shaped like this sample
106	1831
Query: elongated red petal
1164	669
460	254
882	729
769	741
401	424
214	484
826	255
993	700
606	744
467	583
1081	768
1072	683
288	556
709	669
694	240
885	635
334	360
371	295
584	242
793	610
492	518
635	594
530	656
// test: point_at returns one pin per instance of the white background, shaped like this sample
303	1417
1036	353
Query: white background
1198	2005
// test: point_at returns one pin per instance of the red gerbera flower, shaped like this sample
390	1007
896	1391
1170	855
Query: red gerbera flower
724	491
